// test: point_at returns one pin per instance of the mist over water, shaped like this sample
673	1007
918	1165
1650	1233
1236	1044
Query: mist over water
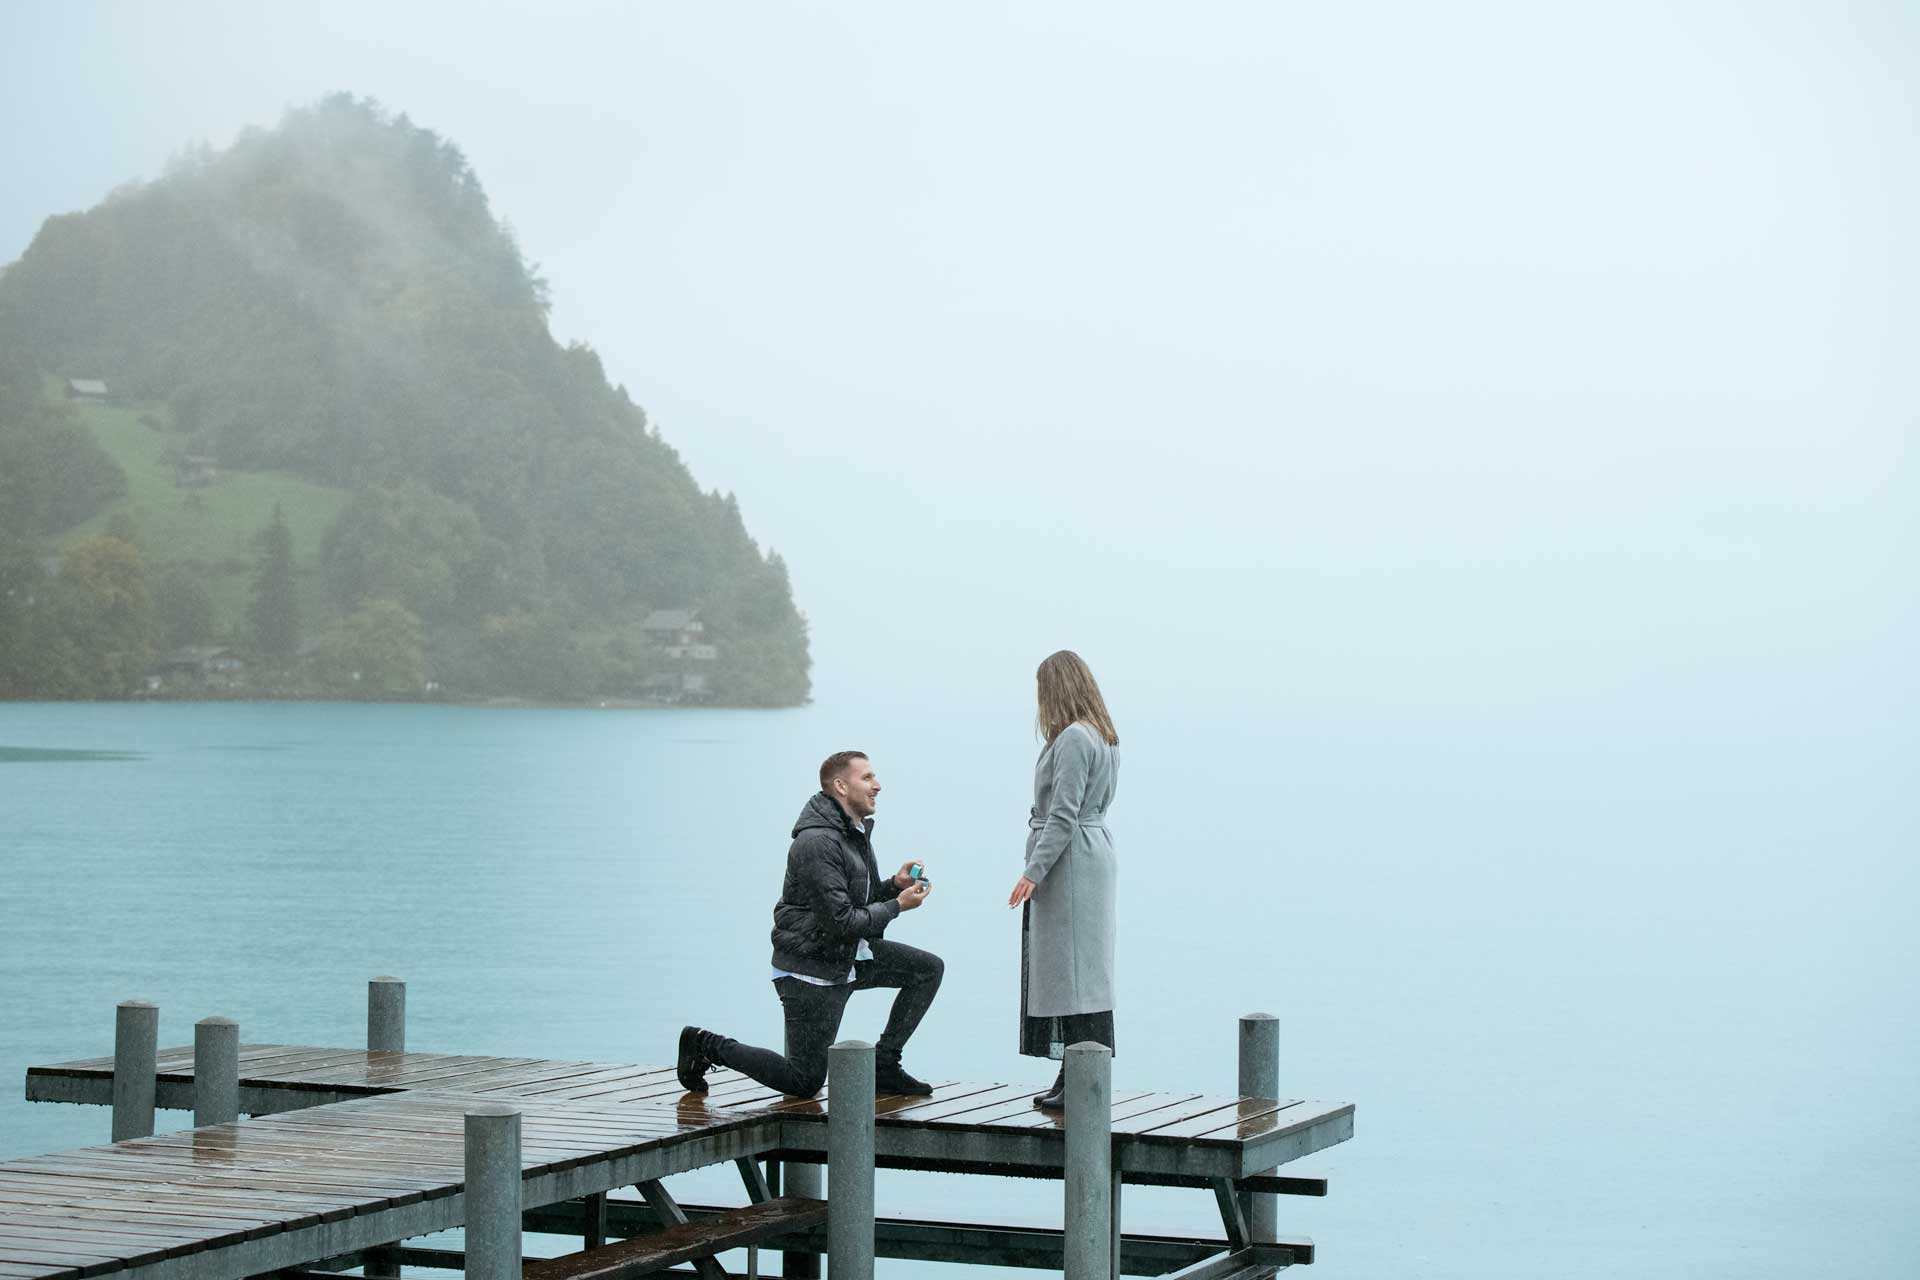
1473	446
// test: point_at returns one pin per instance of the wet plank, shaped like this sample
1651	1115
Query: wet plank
1251	1114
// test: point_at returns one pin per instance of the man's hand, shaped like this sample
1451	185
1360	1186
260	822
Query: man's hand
903	878
915	895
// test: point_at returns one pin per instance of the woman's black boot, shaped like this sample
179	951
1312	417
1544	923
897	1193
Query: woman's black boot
1054	1099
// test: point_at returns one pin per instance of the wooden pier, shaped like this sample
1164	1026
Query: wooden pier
346	1154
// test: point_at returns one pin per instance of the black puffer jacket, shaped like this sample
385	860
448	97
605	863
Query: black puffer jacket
834	894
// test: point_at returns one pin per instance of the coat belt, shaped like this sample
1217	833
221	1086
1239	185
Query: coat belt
1098	818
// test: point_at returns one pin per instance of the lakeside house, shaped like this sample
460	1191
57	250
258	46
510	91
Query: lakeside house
673	628
679	636
194	471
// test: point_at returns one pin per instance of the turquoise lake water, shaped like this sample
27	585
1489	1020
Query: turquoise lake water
1609	1002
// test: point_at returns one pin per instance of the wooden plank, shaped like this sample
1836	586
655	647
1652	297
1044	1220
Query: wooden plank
364	1069
564	1074
286	1207
80	1227
1200	1105
1249	1115
652	1084
1249	1262
960	1107
80	1248
1137	1106
293	1068
683	1242
511	1073
82	1203
539	1134
98	1229
1019	1114
425	1075
13	1249
671	1216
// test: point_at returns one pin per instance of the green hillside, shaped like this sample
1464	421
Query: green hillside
328	322
213	527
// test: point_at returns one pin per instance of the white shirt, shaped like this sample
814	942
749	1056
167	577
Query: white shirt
861	952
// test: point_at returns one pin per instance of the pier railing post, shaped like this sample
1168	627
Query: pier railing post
850	1161
493	1191
1089	1209
386	1033
216	1071
1260	1078
136	1052
387	1015
802	1182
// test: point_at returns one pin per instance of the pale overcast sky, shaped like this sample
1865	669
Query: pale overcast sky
1527	359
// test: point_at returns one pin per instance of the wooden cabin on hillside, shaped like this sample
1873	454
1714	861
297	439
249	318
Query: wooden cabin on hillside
680	637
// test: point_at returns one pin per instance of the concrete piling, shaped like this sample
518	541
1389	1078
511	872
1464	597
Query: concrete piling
850	1069
1089	1191
387	1015
493	1191
136	1051
216	1071
1260	1078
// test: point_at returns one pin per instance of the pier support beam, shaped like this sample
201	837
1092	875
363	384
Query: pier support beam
136	1052
1089	1209
850	1161
216	1071
387	1015
493	1191
1260	1078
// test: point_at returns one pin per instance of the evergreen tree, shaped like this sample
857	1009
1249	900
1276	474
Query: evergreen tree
276	609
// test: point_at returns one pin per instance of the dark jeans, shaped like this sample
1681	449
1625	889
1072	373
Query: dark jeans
813	1018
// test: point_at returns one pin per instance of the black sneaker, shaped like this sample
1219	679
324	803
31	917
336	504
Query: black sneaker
692	1065
890	1077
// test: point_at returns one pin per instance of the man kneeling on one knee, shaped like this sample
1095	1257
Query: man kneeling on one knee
827	944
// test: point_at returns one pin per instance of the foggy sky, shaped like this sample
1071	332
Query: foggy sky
1509	360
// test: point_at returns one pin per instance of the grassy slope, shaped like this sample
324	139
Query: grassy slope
217	524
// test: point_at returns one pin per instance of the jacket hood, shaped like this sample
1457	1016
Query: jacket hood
822	810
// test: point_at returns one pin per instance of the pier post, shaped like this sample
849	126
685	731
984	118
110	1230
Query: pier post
387	1015
1260	1078
850	1161
1089	1210
136	1052
216	1071
802	1182
493	1191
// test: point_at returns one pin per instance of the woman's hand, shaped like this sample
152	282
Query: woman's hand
1022	890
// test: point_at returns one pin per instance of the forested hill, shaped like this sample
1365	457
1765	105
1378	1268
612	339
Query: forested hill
332	307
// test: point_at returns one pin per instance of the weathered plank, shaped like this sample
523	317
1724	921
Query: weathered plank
684	1242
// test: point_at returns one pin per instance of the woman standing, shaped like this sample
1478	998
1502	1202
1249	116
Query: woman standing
1066	938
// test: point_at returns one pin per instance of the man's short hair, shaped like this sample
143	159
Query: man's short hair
831	767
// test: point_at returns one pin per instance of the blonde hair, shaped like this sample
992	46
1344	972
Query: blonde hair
1068	693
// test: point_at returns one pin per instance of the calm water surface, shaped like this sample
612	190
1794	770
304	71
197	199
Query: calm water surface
1609	1002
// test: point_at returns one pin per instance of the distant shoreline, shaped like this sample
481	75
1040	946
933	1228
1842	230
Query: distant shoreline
503	702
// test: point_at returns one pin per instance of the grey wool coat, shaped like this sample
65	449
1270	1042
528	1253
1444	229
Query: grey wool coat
1070	861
